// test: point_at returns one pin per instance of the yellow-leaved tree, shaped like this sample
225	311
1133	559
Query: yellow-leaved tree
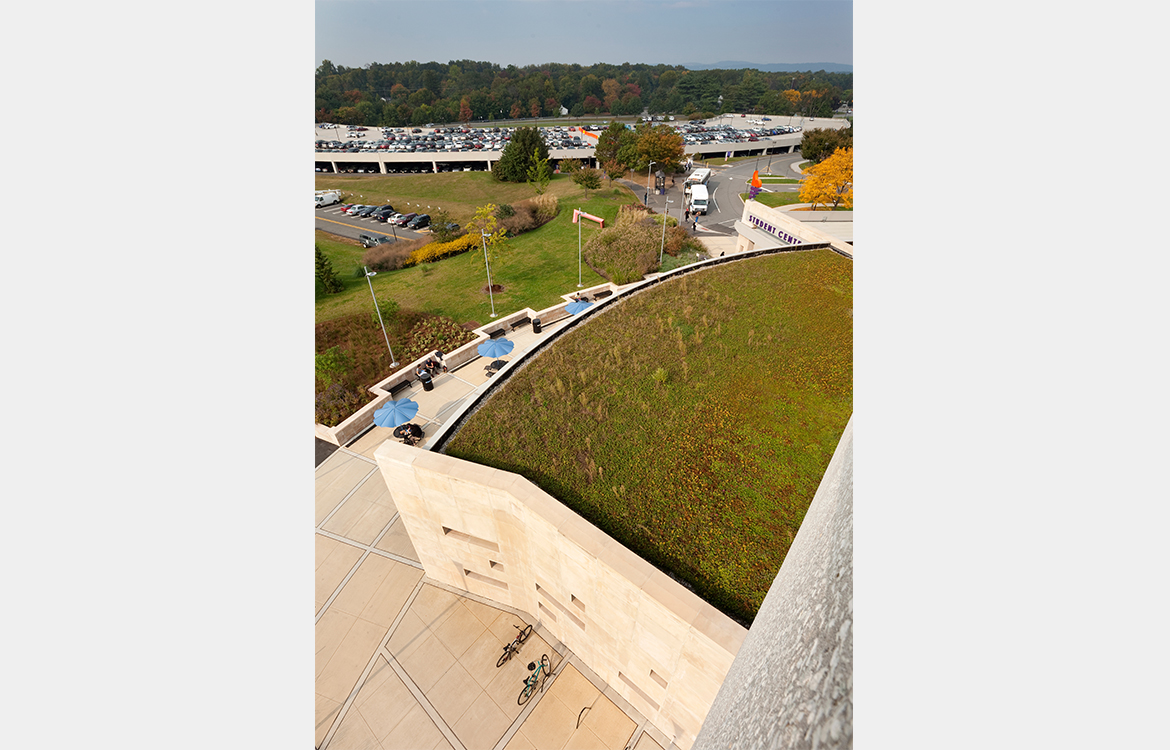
830	183
485	226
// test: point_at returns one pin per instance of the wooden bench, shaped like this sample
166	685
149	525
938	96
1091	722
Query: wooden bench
399	386
496	334
522	322
602	294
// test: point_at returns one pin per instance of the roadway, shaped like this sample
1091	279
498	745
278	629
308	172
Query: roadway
725	185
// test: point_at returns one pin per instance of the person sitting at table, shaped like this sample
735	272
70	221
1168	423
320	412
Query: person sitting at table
423	372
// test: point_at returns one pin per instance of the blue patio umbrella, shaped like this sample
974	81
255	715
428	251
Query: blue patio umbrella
395	413
495	348
577	306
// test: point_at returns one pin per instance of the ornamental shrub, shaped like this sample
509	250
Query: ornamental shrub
390	256
438	250
624	253
337	402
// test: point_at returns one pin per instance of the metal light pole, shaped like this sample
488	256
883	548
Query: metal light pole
665	216
483	235
648	166
580	221
369	274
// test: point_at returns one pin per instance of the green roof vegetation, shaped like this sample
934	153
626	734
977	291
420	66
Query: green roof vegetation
693	421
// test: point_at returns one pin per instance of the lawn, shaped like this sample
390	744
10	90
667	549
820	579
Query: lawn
691	422
534	268
785	198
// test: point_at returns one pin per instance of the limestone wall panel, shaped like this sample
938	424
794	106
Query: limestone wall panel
651	640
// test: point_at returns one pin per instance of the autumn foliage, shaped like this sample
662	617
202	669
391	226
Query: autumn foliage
830	183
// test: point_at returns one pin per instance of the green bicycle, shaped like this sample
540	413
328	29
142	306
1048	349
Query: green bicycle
539	676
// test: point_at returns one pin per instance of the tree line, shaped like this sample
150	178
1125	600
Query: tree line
414	93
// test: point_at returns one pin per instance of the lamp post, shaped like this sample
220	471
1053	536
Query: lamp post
648	166
370	274
579	223
665	216
483	235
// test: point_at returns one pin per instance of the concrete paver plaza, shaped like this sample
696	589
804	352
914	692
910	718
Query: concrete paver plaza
404	662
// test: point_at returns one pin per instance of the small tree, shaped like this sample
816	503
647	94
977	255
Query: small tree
485	223
830	182
818	144
539	173
613	170
588	179
327	279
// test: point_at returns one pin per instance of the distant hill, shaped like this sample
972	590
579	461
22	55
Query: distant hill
772	67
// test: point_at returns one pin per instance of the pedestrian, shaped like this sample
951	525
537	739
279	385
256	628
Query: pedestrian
695	224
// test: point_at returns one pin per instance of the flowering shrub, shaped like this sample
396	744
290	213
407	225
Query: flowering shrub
433	251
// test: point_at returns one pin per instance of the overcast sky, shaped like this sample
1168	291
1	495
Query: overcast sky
356	33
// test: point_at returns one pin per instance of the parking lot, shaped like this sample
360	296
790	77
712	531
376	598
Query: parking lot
452	148
333	220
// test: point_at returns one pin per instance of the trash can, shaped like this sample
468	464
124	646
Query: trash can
428	384
536	325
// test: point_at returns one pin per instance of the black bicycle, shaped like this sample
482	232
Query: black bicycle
539	676
515	645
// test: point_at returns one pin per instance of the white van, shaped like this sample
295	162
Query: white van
327	198
699	199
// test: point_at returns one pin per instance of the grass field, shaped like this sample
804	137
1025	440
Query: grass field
534	268
691	422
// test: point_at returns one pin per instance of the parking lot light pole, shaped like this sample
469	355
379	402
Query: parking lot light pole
483	236
665	216
648	167
369	275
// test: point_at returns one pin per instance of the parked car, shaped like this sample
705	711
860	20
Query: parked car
371	241
405	219
383	212
420	221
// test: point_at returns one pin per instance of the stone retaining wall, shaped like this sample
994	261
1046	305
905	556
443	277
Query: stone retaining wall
497	535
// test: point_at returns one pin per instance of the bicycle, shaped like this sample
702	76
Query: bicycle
515	645
539	674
